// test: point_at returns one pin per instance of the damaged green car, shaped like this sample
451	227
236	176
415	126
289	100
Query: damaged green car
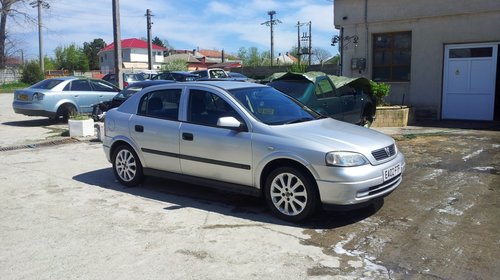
342	98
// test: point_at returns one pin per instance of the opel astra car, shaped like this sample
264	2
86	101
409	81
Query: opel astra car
250	138
342	98
60	97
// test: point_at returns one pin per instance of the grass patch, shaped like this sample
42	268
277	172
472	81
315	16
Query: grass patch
11	87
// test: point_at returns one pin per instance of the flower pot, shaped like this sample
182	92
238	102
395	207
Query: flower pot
393	116
81	128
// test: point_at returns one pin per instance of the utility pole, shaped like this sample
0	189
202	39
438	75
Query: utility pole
270	23
40	4
117	43
298	40
150	43
306	37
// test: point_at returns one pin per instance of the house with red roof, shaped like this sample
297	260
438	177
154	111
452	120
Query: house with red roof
134	56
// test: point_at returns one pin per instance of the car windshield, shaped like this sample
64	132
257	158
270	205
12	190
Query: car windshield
294	88
272	107
47	84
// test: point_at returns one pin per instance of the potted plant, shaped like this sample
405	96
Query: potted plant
80	125
389	116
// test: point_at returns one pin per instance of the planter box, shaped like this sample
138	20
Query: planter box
81	128
393	116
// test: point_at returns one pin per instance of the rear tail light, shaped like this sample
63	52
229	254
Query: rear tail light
125	84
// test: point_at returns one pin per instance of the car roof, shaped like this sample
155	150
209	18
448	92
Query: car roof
147	83
227	85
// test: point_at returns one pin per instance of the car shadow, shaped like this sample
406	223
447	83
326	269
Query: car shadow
182	195
32	123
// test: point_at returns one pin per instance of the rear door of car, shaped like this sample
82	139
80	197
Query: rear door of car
209	151
155	129
81	93
328	99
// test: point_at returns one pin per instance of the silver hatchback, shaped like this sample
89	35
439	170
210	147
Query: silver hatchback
250	138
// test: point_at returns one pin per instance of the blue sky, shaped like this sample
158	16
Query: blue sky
186	24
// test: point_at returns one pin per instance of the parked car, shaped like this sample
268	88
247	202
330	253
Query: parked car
99	110
61	97
212	73
342	98
148	74
128	78
179	76
250	138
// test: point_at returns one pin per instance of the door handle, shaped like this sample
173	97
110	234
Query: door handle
139	128
187	136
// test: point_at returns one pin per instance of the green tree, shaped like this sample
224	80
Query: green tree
252	56
71	58
91	49
32	73
157	41
176	65
49	63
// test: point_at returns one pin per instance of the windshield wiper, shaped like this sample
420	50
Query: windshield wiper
298	120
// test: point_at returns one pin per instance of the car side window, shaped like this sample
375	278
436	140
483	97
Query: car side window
206	108
100	86
163	104
326	88
80	85
346	90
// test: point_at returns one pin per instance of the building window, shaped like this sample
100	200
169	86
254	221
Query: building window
391	56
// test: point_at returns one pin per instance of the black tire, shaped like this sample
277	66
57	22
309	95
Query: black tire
367	117
64	111
127	167
290	194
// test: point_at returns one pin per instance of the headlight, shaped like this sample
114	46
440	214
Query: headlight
345	159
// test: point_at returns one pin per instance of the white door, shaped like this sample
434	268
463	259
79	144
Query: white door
469	81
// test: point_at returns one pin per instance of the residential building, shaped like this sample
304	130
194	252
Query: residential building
134	56
441	57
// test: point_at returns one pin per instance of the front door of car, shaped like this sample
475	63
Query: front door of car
102	91
213	152
155	129
328	100
352	103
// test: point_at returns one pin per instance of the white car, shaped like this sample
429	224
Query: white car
250	138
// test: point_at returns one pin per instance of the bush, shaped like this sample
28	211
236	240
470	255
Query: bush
297	68
32	73
380	90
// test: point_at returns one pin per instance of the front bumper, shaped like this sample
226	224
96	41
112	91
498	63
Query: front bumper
372	185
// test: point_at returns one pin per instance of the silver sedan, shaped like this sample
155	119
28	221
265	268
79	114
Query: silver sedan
253	139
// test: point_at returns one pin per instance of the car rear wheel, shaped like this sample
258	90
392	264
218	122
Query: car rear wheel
64	111
290	194
127	166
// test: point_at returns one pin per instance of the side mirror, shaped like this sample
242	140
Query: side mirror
231	123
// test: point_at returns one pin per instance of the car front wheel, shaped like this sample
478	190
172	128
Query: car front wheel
126	166
290	194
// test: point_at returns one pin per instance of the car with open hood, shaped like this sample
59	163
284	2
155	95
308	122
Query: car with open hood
342	98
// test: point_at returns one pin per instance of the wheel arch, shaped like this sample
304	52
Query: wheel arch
280	162
123	141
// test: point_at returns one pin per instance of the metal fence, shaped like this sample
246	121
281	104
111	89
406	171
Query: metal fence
10	75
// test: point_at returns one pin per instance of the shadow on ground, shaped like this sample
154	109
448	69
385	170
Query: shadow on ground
33	123
461	124
183	195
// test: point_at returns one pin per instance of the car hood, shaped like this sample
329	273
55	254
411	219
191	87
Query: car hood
333	135
338	81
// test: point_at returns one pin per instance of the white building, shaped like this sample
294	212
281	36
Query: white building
134	56
441	57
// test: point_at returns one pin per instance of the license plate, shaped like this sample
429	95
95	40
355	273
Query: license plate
392	172
23	97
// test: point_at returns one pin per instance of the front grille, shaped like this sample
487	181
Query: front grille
379	188
384	153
